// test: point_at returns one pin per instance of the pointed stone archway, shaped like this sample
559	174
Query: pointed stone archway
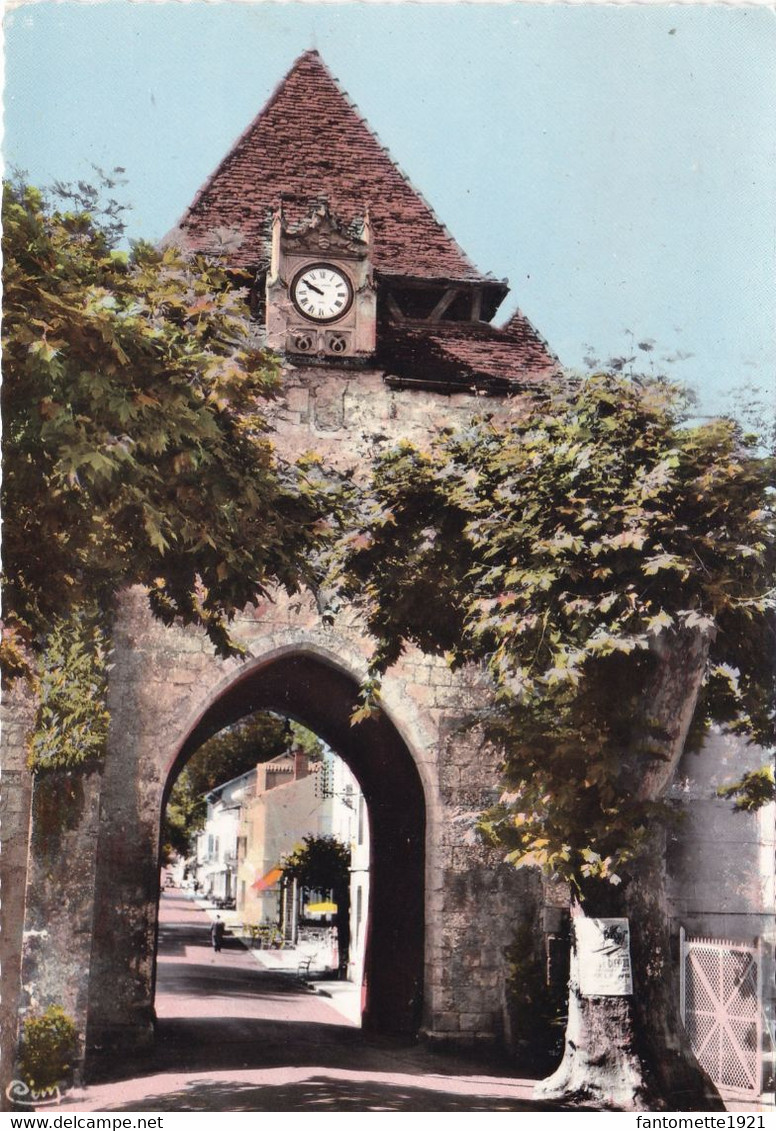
443	907
321	695
168	698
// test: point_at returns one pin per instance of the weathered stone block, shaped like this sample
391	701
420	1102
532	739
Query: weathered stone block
477	1023
297	399
447	1022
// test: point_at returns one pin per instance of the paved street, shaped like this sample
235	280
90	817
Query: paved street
235	1036
195	984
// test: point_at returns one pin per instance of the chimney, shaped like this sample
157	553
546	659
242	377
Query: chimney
301	765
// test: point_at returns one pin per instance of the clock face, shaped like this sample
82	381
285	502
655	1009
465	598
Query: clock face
321	292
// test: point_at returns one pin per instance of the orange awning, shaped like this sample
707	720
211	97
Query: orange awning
269	880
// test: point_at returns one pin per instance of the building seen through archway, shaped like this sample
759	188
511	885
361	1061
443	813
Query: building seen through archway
248	827
357	785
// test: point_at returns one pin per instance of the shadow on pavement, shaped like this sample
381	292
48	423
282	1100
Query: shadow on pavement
321	1093
211	1024
175	937
220	1044
217	1043
220	980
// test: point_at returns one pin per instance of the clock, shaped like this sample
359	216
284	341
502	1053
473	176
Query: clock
321	292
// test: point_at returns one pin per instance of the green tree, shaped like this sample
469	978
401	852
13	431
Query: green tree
134	449
612	569
322	863
72	716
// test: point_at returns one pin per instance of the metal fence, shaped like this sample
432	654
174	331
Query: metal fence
721	1007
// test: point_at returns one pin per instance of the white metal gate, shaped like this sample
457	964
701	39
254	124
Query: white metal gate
721	1007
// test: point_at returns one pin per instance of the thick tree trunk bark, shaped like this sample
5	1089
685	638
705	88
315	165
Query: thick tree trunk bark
628	1051
600	1067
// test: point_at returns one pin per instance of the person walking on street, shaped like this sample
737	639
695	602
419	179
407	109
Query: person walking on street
217	933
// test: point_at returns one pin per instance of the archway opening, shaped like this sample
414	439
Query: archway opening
265	850
322	697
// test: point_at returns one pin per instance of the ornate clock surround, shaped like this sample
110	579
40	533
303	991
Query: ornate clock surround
321	244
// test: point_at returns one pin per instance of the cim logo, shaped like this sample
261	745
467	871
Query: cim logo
20	1093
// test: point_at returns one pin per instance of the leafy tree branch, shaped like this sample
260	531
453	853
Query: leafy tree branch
569	551
134	447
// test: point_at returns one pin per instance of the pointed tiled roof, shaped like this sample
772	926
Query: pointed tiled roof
310	143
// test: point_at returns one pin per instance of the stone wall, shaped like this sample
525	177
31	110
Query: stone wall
96	952
162	682
16	719
60	893
721	862
347	415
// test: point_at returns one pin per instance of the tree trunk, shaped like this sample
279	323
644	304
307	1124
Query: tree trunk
601	1067
626	1049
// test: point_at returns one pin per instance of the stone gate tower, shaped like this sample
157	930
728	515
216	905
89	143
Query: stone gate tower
385	331
348	264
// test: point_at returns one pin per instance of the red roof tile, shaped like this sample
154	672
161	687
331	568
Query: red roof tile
310	143
469	355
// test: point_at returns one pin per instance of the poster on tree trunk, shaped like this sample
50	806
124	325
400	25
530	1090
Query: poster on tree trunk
604	957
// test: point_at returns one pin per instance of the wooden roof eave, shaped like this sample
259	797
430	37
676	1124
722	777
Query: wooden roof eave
493	291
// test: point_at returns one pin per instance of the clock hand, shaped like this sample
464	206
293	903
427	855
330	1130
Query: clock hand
312	287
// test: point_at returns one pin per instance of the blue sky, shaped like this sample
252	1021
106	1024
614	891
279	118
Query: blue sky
615	163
